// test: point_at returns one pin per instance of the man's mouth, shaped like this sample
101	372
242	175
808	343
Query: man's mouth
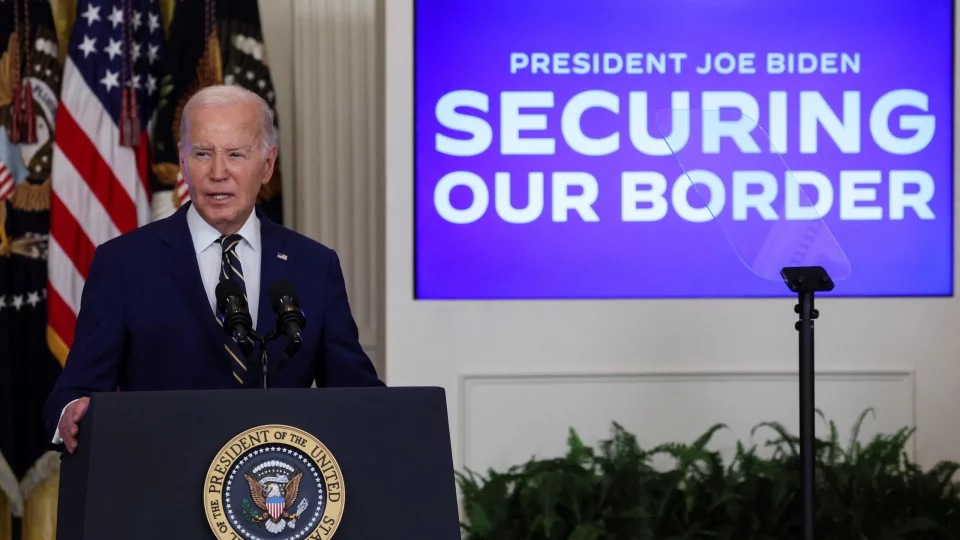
219	196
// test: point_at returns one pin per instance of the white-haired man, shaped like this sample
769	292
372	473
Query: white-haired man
149	318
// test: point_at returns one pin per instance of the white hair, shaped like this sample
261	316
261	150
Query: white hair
220	95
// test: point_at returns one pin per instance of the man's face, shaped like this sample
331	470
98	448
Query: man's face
224	164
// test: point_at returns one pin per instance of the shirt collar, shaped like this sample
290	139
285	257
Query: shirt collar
204	235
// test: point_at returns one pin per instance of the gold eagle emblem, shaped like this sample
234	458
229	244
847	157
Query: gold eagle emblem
273	490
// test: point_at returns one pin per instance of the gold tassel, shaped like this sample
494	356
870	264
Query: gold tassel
40	510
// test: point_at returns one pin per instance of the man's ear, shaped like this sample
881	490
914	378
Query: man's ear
271	162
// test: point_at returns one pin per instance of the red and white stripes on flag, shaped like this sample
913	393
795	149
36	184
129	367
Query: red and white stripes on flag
99	191
181	190
6	181
275	507
100	183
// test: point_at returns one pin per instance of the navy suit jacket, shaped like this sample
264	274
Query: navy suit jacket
145	322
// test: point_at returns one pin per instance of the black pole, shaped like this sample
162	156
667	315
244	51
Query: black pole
807	408
264	365
805	281
264	362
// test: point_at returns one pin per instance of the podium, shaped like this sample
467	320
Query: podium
279	464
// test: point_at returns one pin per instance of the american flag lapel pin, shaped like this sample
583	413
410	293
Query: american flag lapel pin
282	256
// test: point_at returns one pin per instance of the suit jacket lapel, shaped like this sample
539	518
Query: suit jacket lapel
274	265
185	271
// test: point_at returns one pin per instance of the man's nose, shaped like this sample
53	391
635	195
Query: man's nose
219	171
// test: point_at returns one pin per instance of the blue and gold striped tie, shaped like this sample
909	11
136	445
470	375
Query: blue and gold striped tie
230	268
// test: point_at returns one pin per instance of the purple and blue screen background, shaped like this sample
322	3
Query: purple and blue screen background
466	45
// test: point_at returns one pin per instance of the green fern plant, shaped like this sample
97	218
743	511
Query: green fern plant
613	492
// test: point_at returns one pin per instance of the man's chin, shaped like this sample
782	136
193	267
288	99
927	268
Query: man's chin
216	214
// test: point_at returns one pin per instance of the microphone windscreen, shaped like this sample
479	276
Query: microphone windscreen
279	289
228	288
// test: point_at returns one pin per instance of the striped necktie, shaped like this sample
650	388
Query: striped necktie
230	269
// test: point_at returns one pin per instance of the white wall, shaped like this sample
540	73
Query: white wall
517	374
324	59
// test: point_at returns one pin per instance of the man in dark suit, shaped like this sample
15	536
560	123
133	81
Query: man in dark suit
148	318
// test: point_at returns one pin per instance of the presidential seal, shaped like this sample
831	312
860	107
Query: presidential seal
274	482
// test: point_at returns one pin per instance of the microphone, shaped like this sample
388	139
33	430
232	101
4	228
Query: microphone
290	318
236	315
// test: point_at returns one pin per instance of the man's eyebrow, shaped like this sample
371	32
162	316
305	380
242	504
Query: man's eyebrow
228	149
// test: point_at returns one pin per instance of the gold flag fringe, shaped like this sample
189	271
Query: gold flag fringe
40	510
10	487
47	464
6	518
31	197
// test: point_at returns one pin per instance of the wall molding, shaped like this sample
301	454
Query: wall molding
468	377
471	380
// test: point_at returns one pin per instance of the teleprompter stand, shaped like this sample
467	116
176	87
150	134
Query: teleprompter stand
805	281
787	240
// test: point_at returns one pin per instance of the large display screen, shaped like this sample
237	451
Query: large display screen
540	131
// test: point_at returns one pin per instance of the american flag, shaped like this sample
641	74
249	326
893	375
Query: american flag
102	151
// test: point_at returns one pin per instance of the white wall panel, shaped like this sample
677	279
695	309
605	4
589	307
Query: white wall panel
508	418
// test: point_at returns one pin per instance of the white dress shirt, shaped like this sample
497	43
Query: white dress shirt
208	259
